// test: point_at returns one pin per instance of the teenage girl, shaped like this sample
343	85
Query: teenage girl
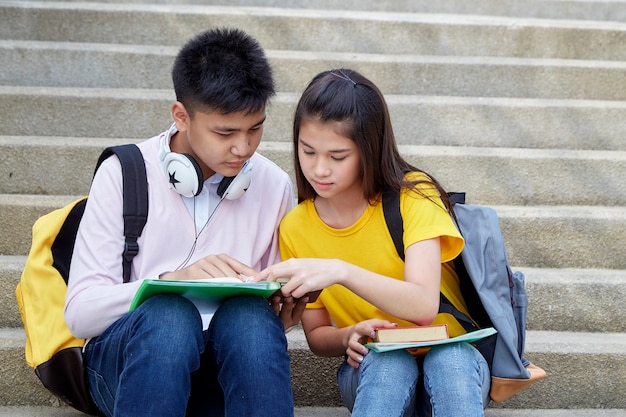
336	239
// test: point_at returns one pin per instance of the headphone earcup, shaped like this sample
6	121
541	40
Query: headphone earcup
184	173
221	188
232	188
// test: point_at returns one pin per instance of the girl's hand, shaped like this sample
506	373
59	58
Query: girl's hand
305	275
359	336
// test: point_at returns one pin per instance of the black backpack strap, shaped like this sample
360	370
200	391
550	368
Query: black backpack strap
393	218
445	306
456	198
135	188
395	225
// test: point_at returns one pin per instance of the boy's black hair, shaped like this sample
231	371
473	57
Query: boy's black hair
223	70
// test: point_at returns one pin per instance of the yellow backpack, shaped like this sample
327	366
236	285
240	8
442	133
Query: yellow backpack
51	349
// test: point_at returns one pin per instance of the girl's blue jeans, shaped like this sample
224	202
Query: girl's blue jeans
455	382
157	361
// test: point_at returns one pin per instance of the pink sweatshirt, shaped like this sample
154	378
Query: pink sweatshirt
245	228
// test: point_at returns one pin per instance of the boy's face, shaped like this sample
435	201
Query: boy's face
219	142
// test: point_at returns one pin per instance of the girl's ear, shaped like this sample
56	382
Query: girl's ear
180	116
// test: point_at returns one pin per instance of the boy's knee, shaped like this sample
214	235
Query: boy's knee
245	311
171	302
169	313
261	326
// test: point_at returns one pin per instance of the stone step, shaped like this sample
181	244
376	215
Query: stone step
585	370
564	236
536	236
60	64
577	300
504	108
351	30
580	300
614	10
417	119
30	411
500	176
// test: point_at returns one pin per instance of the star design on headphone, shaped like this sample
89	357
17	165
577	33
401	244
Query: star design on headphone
173	179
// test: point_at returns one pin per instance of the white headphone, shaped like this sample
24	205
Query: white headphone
185	176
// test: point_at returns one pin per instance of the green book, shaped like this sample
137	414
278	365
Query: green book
467	337
206	292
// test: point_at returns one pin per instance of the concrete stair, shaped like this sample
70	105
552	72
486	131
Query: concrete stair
522	104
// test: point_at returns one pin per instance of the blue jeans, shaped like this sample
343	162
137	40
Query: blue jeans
157	361
455	382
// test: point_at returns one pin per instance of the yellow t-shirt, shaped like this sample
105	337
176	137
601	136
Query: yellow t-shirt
368	244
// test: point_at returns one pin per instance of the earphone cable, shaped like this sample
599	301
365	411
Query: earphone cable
197	233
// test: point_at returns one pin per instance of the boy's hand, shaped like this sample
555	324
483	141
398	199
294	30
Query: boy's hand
288	310
212	266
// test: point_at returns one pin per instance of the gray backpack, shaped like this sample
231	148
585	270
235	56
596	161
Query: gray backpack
495	295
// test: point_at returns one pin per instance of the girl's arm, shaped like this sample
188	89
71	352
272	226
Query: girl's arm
416	298
324	339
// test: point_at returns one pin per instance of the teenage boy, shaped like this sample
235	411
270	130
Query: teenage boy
160	360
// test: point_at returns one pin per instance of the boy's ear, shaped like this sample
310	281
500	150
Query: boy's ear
181	116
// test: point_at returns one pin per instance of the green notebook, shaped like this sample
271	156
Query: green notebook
467	337
210	291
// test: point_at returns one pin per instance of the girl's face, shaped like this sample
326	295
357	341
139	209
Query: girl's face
329	161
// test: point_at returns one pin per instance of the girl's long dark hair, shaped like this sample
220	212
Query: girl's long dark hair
354	103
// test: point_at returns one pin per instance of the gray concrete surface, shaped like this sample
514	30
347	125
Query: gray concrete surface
335	412
518	103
